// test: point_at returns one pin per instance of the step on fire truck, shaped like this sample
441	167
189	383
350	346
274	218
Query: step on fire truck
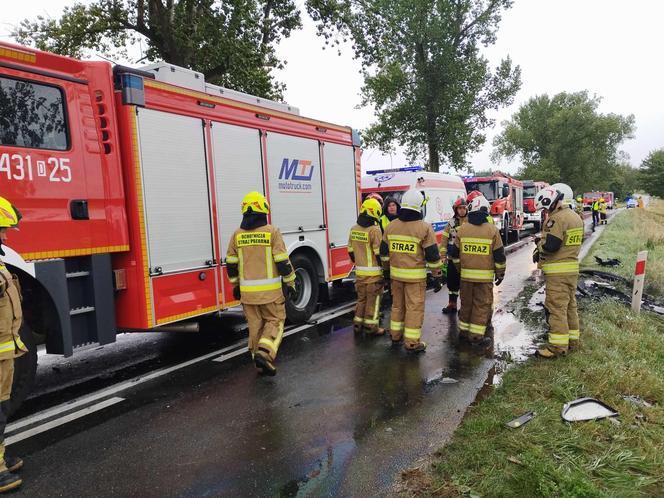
505	194
130	183
530	214
441	190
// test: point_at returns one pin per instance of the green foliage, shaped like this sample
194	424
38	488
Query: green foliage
652	173
231	42
565	138
424	72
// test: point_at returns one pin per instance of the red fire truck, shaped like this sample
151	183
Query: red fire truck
506	197
130	183
530	214
590	197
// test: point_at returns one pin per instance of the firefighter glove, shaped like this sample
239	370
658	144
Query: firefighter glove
498	280
291	292
236	293
536	255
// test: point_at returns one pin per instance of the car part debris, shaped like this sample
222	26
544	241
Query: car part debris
597	284
637	400
586	409
607	262
523	419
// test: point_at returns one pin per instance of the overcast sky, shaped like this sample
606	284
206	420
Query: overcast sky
612	48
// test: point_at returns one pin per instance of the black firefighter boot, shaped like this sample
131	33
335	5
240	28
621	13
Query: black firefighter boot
264	365
9	481
451	307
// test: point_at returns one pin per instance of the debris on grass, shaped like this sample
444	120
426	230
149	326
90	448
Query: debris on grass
586	409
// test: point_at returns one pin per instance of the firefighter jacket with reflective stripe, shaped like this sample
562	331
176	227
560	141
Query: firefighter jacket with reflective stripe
11	316
566	226
404	245
602	207
475	245
595	206
258	253
364	245
450	235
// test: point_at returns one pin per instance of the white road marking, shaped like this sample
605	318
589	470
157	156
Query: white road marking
127	384
62	420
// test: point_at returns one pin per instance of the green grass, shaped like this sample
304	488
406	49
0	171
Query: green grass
632	231
622	354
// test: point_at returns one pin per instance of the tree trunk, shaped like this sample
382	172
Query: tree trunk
434	156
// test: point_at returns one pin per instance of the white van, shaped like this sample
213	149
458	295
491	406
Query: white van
440	188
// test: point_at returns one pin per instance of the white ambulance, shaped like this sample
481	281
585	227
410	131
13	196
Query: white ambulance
441	189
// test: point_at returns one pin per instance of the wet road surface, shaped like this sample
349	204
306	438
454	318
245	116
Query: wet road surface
344	415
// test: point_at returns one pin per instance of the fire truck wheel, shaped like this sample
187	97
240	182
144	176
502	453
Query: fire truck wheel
505	232
302	306
25	369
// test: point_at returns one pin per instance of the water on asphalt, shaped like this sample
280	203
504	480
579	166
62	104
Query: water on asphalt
343	416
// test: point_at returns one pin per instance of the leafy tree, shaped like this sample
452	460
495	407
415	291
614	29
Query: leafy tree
424	72
231	42
565	138
652	173
623	180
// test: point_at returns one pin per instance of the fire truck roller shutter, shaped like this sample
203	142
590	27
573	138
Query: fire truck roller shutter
238	166
340	190
296	200
175	185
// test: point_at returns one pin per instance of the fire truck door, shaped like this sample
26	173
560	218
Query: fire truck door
175	186
238	167
296	191
341	195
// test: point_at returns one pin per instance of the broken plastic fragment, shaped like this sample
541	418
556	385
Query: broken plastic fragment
586	409
523	419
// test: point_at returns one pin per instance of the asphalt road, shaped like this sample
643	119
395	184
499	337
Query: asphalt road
343	416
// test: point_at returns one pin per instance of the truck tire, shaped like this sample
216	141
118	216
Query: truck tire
300	309
25	369
505	232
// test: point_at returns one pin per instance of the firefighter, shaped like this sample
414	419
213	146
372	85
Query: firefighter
390	212
257	263
594	207
602	211
408	248
450	272
364	249
11	346
479	253
579	206
557	255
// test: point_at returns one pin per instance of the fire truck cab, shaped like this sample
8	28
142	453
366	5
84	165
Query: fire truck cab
130	183
505	194
530	214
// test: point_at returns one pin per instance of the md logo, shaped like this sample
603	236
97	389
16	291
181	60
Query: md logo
297	169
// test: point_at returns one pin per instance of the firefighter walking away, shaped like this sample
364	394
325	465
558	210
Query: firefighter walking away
257	263
557	255
11	346
407	250
450	272
478	250
364	249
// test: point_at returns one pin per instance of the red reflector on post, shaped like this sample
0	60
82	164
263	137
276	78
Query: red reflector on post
640	268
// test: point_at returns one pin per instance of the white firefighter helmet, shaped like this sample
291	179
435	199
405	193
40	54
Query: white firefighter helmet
413	199
478	203
547	198
566	190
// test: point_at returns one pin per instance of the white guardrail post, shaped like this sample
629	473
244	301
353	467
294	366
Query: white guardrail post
639	279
